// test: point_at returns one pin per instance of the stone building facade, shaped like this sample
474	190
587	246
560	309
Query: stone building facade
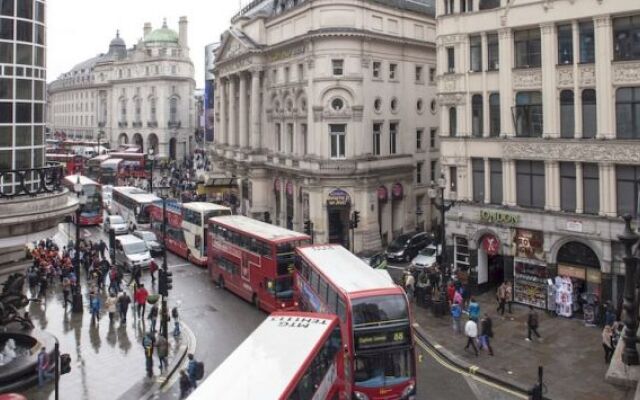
323	109
141	95
539	113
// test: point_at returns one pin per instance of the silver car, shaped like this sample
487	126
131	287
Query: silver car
116	223
426	258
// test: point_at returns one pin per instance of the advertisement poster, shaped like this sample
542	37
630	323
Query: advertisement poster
529	244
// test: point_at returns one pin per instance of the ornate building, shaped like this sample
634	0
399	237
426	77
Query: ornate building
142	95
323	109
539	110
32	201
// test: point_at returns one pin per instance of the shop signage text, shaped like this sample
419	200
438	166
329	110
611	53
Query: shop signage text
529	244
499	217
338	197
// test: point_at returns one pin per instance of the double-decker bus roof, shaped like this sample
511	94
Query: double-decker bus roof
138	195
259	229
112	162
266	363
100	158
73	179
344	269
202	206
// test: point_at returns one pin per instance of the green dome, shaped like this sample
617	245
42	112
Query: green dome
162	35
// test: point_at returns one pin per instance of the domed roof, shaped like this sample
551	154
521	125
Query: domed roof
117	41
162	35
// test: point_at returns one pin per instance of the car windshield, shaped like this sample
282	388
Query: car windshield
400	241
117	220
135	248
380	370
148	236
428	252
372	310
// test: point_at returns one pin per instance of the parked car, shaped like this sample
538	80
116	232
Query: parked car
131	252
426	257
117	223
152	242
406	246
374	259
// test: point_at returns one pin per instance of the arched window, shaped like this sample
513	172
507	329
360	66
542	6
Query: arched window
173	110
123	110
453	123
152	110
528	114
476	115
567	113
138	110
494	114
577	253
589	114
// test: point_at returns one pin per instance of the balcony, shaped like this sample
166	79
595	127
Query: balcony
137	124
152	124
174	124
123	124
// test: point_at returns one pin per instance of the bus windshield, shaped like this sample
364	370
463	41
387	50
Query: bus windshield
94	199
143	216
383	369
282	287
376	309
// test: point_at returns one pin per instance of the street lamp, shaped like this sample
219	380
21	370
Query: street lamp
100	136
165	277
436	191
629	239
82	200
150	158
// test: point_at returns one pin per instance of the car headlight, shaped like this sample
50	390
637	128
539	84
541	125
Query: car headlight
360	396
409	392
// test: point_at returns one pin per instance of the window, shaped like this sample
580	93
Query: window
419	167
337	104
377	103
173	110
393	68
418	73
290	137
393	136
453	179
565	44
589	114
587	42
530	183
466	5
453	123
493	52
627	182
279	137
495	178
477	169
123	111
337	133
6	7
434	168
451	60
419	133
488	4
528	114
377	130
567	115
626	38
476	115
286	74
590	188
138	111
394	105
527	48
300	72
628	113
448	7
432	137
568	186
419	106
376	69
475	53
337	66
304	133
152	110
494	114
24	31
432	75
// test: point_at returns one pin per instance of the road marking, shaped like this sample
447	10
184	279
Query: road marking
185	330
394	267
462	372
180	265
473	369
437	346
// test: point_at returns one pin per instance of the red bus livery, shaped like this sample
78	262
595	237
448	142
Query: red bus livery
375	318
290	356
253	259
91	213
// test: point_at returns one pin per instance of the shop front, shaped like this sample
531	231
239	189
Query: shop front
490	270
338	212
530	271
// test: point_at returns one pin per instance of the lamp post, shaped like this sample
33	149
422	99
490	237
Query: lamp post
100	136
629	239
76	297
436	191
164	279
150	158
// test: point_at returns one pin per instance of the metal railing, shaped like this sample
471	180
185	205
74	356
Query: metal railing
31	182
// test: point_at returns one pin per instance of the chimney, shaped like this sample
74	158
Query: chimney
183	34
147	28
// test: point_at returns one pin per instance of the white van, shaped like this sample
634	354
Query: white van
131	251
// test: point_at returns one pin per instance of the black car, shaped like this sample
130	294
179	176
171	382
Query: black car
406	246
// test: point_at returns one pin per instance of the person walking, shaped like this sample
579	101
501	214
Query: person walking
474	309
102	246
94	306
192	370
123	306
501	296
532	324
162	349
153	267
486	333
185	384
140	296
66	291
176	323
456	313
136	274
409	284
110	304
471	330
44	367
607	343
153	317
508	292
148	343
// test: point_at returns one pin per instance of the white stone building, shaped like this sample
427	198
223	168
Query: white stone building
540	121
326	108
142	95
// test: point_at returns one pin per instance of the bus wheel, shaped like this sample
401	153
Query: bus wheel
221	282
256	301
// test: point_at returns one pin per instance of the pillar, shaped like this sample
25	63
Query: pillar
579	189
604	92
256	112
233	114
487	181
549	45
222	132
505	57
243	115
577	93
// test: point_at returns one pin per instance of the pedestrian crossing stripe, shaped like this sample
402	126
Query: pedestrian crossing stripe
437	346
473	369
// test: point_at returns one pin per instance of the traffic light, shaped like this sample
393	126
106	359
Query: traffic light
65	363
308	227
169	280
356	218
165	282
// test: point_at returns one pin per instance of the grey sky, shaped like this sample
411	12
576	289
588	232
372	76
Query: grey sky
81	29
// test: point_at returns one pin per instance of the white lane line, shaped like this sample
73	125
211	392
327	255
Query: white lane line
179	265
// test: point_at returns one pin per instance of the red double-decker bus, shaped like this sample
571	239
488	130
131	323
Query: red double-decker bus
375	317
72	164
253	259
91	212
132	165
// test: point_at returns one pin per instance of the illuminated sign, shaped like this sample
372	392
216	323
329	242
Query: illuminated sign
394	337
499	217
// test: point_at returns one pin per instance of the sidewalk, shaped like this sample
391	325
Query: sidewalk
570	352
107	359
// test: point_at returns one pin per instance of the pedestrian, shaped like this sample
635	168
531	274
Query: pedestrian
486	333
185	384
66	291
532	323
123	306
162	349
148	343
102	246
136	273
409	284
176	323
94	305
471	330
153	267
153	317
509	295
194	369
474	309
501	297
110	304
44	367
44	283
456	313
607	343
140	296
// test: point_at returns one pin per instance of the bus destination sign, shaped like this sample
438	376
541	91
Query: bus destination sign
370	340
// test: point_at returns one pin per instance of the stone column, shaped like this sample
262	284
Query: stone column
232	138
256	111
604	92
579	189
487	181
243	114
505	57
549	45
603	186
610	181
222	132
577	93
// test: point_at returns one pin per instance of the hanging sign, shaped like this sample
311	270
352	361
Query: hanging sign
276	185
289	189
338	197
491	245
397	191
383	193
